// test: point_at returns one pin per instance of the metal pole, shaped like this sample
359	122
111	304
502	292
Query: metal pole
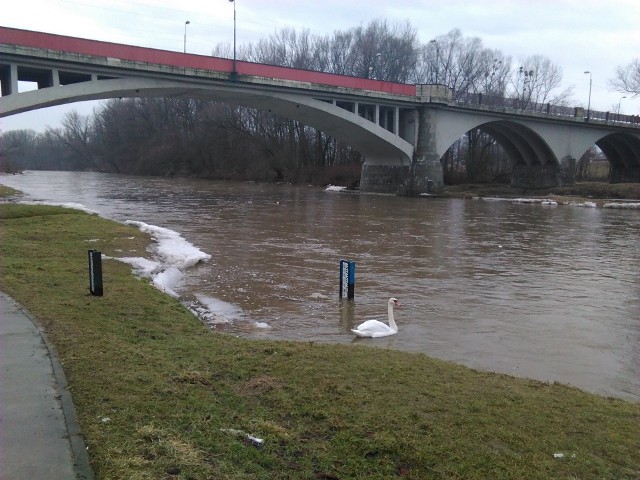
435	42
234	72
185	35
589	104
619	103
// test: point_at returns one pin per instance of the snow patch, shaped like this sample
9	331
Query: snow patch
172	249
624	205
585	204
173	255
214	311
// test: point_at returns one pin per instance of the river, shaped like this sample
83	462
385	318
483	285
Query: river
539	291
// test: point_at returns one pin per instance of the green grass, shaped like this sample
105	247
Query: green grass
155	390
8	191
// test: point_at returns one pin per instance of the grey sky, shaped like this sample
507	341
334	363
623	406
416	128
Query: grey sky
577	35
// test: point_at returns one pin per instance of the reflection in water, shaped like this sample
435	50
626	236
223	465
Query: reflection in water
546	292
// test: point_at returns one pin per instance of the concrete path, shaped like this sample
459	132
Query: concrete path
39	434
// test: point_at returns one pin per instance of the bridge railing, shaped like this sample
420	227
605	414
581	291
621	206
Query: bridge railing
525	106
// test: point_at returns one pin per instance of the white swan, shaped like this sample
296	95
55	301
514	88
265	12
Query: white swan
375	328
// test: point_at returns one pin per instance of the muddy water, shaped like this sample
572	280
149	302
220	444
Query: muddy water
551	293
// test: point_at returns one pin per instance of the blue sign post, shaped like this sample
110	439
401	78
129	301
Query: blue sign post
347	279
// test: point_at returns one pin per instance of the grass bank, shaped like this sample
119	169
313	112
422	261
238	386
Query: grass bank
160	396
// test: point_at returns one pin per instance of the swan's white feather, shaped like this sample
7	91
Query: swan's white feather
376	328
372	327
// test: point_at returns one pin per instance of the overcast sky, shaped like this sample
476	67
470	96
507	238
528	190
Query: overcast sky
577	35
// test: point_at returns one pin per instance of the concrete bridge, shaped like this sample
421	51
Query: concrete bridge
402	130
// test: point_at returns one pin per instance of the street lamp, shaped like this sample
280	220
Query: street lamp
234	72
589	105
619	102
185	35
435	42
375	68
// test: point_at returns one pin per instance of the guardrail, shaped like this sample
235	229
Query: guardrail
524	106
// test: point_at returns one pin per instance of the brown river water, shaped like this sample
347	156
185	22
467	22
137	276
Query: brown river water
539	291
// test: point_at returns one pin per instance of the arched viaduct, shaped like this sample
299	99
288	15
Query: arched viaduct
403	131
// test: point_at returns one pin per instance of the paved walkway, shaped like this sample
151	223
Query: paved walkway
39	434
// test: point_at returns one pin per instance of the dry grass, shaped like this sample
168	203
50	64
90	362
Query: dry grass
578	191
157	393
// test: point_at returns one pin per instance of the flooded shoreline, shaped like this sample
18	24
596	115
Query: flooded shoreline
529	289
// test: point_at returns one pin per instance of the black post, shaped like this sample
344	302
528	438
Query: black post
95	273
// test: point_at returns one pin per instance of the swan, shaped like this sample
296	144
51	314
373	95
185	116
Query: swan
375	328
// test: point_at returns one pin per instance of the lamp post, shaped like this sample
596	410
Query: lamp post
435	42
185	35
589	104
619	102
234	72
374	70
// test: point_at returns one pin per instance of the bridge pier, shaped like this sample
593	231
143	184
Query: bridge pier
402	130
544	176
382	178
427	175
423	175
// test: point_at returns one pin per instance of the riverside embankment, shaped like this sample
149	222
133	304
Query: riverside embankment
159	395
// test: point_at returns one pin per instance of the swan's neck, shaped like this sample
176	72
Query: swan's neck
392	322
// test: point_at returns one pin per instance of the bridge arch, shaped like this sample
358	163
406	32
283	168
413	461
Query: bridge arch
521	141
376	143
424	118
534	161
623	152
543	151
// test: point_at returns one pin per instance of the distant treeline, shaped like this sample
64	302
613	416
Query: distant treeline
183	137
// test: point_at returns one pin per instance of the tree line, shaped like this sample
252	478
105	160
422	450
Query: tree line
207	139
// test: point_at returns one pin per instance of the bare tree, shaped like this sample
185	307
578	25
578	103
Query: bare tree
77	134
627	79
287	48
534	82
460	63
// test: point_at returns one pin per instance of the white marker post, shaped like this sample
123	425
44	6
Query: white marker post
347	279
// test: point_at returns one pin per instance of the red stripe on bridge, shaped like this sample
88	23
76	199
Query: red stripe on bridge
84	46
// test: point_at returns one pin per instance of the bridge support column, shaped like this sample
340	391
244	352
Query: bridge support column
426	174
9	79
544	176
422	175
376	178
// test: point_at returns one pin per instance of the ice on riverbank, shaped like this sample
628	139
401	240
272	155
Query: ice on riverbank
584	204
214	312
172	249
624	205
173	255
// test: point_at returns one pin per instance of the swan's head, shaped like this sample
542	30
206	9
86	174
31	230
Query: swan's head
393	301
